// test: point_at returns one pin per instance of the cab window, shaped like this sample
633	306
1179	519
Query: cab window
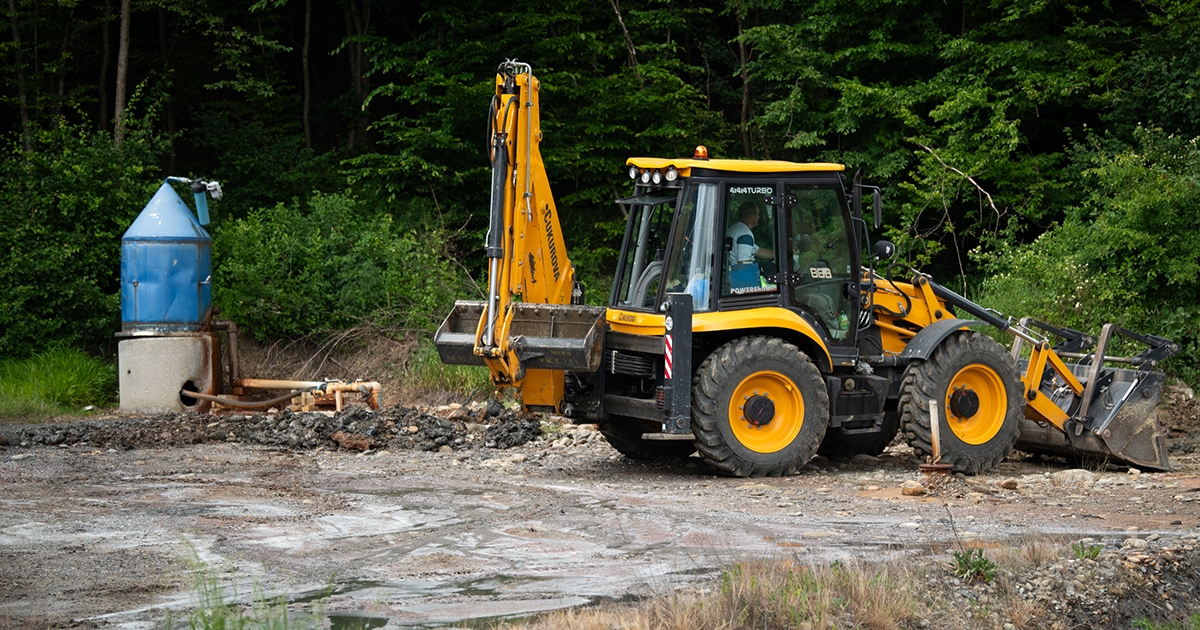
748	238
820	256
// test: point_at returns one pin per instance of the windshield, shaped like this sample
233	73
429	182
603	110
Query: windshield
690	267
642	260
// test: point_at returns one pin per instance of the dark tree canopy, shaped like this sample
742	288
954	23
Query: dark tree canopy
1012	139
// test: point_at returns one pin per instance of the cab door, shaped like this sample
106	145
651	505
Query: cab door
823	272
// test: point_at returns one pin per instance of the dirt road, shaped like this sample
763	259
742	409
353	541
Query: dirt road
432	526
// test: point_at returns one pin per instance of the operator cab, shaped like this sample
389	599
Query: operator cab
739	235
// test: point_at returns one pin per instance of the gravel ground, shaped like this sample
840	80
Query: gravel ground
432	516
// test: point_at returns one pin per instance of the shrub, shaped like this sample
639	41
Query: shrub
63	209
1125	254
973	565
329	264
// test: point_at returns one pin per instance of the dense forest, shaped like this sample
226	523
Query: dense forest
1040	156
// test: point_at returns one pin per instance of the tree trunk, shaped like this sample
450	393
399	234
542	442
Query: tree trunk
304	63
104	58
60	89
743	59
358	21
22	99
122	73
164	47
629	48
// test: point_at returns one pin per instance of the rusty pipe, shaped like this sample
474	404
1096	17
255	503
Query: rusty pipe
264	383
370	390
232	329
242	404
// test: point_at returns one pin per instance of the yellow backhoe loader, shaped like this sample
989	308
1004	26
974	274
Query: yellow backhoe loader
747	323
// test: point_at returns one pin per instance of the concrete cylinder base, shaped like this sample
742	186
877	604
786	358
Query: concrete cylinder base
154	370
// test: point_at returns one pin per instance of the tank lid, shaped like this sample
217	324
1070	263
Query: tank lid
166	217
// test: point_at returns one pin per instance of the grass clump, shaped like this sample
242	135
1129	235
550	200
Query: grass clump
1192	623
218	607
57	381
971	564
426	373
1084	551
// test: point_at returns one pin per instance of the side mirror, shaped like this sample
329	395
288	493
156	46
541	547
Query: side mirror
883	249
878	204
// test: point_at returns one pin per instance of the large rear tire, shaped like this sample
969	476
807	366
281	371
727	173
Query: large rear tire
978	394
759	408
841	445
625	435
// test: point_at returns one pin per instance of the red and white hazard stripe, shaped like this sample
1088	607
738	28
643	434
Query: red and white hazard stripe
668	356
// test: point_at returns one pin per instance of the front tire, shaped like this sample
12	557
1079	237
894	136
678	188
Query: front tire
759	408
978	394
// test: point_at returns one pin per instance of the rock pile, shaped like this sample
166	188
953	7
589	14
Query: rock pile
354	428
1106	583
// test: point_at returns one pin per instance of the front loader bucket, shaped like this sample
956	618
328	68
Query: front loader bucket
1121	424
544	336
455	338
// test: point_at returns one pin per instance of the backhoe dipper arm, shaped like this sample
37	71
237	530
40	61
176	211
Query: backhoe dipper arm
524	245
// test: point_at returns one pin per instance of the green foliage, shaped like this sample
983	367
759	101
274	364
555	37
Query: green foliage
973	565
1124	254
56	381
1085	551
63	209
328	264
259	157
1145	623
969	115
599	107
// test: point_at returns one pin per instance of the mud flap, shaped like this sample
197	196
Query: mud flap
544	336
1121	424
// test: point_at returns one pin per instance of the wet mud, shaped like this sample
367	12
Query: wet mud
427	518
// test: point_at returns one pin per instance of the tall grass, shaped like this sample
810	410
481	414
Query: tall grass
425	373
767	595
59	380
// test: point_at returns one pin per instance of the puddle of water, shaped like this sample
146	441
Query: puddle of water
494	585
352	621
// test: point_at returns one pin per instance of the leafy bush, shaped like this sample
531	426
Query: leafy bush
329	264
1126	254
63	209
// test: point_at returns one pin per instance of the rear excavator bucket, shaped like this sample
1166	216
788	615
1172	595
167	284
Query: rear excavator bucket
1114	418
544	336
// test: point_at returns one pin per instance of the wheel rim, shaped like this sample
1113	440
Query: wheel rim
976	404
769	396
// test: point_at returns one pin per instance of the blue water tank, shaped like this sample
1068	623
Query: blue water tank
166	269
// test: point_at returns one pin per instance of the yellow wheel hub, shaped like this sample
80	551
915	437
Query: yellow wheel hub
766	412
976	404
